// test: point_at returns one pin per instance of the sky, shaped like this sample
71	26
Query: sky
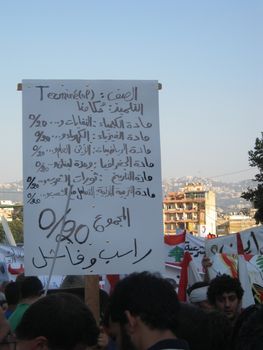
207	54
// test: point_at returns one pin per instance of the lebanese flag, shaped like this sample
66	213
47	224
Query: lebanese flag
174	249
189	275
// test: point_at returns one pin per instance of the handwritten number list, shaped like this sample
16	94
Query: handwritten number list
96	144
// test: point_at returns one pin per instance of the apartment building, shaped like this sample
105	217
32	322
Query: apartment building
192	209
235	223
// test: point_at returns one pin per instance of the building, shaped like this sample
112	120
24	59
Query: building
192	209
235	223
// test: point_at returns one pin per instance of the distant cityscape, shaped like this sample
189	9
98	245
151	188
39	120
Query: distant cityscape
227	194
12	191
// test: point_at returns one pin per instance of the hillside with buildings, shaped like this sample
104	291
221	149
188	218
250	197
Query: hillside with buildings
195	204
227	195
192	206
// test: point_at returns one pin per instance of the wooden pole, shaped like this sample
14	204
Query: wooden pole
19	86
92	295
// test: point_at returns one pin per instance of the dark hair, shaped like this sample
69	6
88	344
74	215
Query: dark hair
62	318
12	293
31	286
250	336
148	296
223	284
241	319
203	330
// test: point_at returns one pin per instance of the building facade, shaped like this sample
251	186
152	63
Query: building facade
192	209
235	223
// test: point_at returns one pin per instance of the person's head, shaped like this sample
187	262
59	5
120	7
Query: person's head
192	321
225	294
250	335
31	286
139	302
75	284
203	330
12	293
20	278
197	295
57	321
241	319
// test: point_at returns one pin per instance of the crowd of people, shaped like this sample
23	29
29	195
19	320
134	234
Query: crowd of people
142	313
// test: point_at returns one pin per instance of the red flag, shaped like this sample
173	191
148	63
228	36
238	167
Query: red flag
183	283
110	282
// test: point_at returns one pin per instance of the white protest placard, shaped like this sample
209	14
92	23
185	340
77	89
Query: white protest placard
252	240
92	177
196	248
224	244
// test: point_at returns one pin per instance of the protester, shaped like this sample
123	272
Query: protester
75	284
241	319
12	294
57	321
105	340
31	289
3	302
219	327
225	294
143	313
204	330
4	327
250	335
197	295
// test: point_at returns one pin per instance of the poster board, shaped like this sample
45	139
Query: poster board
92	176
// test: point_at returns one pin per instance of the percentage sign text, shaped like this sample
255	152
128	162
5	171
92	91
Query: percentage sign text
37	151
36	121
40	136
31	183
32	199
41	167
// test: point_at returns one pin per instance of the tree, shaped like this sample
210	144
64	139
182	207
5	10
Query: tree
256	195
16	226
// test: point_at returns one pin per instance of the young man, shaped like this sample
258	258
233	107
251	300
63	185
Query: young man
250	335
225	294
12	294
58	321
31	289
143	313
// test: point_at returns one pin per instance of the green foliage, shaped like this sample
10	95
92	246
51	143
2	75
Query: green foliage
259	262
256	195
18	213
16	226
2	233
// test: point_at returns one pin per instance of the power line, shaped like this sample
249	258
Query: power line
232	173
